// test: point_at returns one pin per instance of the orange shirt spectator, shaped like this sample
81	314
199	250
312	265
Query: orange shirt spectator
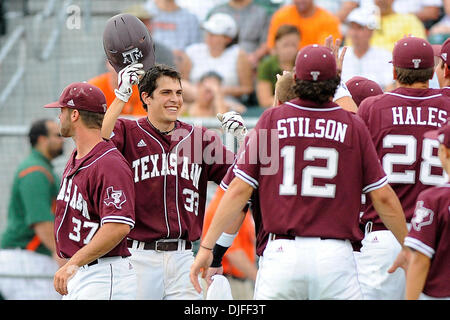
315	24
245	239
107	82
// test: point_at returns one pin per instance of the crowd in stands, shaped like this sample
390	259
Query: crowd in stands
230	51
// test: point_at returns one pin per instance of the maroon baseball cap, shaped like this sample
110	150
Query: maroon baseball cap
361	88
315	63
81	96
444	53
442	134
413	53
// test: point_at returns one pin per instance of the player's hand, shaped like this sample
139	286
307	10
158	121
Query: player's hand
212	272
401	261
62	277
126	78
233	123
201	263
335	49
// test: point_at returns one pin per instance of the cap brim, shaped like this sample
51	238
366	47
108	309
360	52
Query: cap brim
53	105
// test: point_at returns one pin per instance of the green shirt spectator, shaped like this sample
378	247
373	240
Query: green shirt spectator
34	190
28	257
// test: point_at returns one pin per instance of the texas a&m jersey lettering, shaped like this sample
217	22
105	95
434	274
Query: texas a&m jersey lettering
157	165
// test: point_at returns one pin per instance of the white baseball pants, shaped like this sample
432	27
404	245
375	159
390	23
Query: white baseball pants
164	275
113	278
307	268
377	254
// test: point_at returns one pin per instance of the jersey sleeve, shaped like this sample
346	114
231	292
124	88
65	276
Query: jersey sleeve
424	225
247	166
117	195
118	135
35	190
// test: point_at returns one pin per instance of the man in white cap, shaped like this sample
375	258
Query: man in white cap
362	59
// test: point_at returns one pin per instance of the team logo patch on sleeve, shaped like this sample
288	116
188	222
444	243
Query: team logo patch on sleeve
115	197
422	216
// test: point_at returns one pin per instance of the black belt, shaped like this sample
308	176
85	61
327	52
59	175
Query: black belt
289	237
96	261
274	236
375	227
159	245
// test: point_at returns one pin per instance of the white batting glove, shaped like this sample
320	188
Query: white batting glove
233	123
126	78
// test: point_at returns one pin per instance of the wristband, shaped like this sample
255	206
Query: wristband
226	239
218	253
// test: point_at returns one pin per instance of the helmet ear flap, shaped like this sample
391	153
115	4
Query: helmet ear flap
126	40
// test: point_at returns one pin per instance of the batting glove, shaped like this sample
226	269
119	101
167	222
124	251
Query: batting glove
233	123
126	78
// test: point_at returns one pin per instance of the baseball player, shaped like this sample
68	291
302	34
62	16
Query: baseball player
442	68
28	245
312	186
284	91
397	121
428	275
172	163
361	88
94	206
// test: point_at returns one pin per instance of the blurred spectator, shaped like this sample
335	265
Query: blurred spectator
361	88
314	23
271	5
172	25
107	82
209	99
282	58
394	26
28	243
220	53
239	262
441	30
340	8
428	11
253	22
200	8
362	59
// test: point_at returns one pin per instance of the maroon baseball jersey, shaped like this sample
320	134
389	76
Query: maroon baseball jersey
171	173
310	164
430	235
95	190
445	91
397	121
261	236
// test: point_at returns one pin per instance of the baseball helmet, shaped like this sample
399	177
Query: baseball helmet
126	40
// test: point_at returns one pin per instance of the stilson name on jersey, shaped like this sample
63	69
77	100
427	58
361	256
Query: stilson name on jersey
156	165
312	128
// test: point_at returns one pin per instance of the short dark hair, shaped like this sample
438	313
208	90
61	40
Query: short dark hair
92	120
318	91
211	74
38	128
286	29
148	82
411	76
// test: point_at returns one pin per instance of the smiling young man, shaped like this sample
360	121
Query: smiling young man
172	162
